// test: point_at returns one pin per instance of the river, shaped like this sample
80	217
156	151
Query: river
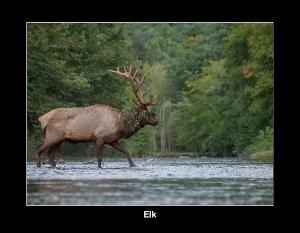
154	181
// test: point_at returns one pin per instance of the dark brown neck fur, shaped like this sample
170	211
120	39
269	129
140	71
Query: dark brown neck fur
132	122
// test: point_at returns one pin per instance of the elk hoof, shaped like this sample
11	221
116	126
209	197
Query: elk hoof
53	165
99	165
132	165
38	164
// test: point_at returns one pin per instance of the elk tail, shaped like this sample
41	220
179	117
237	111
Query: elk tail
44	119
44	132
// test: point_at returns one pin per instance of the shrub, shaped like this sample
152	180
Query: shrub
263	141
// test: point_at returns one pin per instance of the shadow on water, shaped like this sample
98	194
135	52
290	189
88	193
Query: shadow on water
156	182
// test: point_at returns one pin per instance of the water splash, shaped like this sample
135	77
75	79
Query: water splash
149	168
155	181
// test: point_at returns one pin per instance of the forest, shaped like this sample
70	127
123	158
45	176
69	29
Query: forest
213	82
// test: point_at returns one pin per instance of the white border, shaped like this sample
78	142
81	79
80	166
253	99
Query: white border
156	22
26	120
147	23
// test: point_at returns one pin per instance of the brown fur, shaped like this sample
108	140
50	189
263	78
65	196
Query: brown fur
101	124
44	119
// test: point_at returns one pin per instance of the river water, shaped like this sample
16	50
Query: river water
154	181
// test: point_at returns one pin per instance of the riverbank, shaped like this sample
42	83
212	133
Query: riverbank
262	155
259	155
176	154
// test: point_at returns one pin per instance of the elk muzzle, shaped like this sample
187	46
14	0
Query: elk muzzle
153	122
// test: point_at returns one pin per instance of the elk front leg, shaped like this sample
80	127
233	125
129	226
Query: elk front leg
120	148
99	146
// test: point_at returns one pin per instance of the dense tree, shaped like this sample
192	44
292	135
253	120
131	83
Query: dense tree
214	82
231	99
67	66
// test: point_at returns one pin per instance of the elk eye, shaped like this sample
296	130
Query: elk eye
152	114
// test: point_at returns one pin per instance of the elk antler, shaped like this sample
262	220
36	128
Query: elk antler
136	85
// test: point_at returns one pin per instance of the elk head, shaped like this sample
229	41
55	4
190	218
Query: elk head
142	108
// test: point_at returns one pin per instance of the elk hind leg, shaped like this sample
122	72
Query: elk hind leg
41	148
38	155
51	154
120	148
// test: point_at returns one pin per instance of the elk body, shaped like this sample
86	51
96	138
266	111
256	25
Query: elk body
101	124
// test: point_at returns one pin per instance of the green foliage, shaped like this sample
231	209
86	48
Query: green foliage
229	100
214	82
141	143
67	66
262	142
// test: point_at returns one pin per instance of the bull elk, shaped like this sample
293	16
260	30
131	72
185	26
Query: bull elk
98	123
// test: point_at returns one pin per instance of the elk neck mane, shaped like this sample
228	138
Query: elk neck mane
132	122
